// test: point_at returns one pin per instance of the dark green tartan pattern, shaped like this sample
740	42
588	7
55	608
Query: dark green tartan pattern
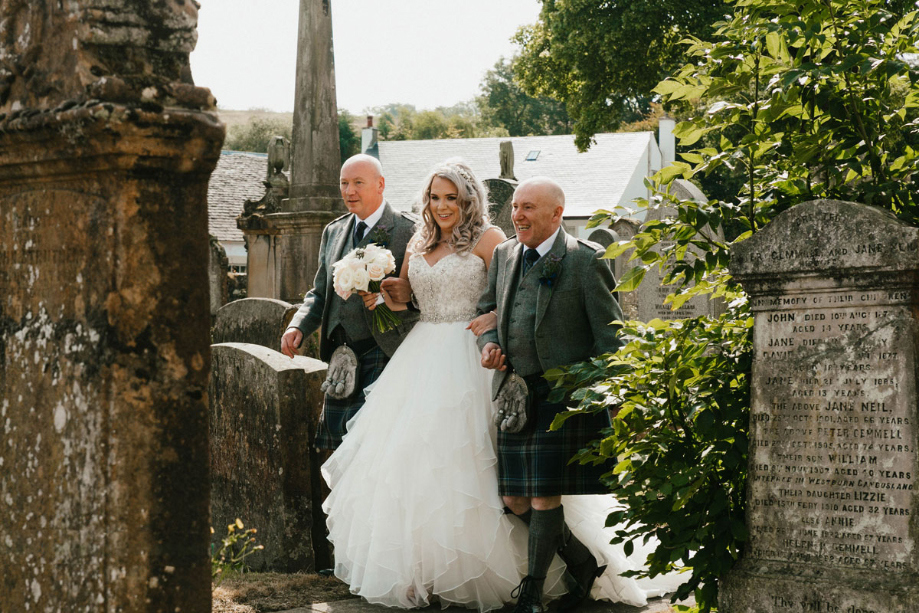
535	463
336	413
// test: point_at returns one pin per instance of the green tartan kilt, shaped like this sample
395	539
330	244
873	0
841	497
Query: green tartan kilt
535	463
337	412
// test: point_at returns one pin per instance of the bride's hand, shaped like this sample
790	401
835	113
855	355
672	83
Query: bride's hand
483	323
393	304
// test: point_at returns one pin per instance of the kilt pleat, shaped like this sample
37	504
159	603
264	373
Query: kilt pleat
535	463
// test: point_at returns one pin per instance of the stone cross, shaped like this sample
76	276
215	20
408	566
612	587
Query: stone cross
831	494
106	147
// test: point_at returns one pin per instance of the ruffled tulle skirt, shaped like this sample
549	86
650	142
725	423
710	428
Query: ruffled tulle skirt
414	510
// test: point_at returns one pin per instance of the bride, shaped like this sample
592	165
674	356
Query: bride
414	512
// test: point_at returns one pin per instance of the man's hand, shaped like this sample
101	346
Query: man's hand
290	342
493	358
399	289
370	299
483	323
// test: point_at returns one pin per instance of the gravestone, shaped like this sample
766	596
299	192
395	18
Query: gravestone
831	495
106	147
257	321
500	196
264	468
625	229
218	268
651	294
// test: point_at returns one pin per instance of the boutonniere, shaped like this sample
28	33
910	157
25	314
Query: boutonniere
380	235
550	269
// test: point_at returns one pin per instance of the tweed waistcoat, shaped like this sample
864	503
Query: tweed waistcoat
521	325
349	314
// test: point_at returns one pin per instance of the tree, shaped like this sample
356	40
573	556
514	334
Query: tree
808	99
255	134
602	58
504	104
349	140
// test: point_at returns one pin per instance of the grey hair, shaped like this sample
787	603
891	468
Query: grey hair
472	205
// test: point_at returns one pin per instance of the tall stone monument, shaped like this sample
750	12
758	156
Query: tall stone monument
283	245
106	147
833	475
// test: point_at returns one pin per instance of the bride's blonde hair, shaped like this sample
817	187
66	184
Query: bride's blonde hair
470	203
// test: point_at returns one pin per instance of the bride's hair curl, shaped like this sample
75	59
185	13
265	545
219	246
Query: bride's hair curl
471	203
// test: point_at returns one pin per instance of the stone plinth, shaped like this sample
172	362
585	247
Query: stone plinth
283	252
831	498
265	471
104	358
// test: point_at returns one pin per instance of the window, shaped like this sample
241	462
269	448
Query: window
532	155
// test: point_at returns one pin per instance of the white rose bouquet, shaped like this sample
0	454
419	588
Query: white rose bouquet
363	269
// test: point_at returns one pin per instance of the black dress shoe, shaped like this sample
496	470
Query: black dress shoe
326	572
580	579
529	596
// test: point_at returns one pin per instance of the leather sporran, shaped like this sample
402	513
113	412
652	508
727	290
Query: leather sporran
514	405
342	375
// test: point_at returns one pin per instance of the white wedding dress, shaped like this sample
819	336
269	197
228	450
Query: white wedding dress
414	511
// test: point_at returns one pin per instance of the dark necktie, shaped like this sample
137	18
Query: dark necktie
359	232
529	258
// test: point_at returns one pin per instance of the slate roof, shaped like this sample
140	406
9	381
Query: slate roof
591	180
238	177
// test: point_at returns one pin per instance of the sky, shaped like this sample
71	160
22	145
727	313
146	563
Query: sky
427	53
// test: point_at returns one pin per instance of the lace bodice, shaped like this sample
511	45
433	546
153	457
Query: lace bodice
449	290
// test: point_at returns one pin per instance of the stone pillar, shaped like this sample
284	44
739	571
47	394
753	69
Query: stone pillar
284	245
833	476
106	148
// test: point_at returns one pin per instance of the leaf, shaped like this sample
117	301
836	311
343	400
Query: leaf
632	279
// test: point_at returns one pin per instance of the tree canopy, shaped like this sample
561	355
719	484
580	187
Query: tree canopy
602	58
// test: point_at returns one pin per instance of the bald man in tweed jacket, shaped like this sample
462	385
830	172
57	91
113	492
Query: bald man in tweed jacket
552	294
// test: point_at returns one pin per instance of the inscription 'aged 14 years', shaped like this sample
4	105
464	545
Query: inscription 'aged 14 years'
833	453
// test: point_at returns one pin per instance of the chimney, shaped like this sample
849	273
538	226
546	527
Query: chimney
369	139
666	140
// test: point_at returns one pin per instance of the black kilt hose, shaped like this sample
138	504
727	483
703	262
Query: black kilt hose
336	413
535	463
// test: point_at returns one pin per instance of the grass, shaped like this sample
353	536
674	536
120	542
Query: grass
267	592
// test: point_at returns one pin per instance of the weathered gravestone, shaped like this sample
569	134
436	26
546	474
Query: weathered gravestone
831	498
651	294
258	321
500	196
218	268
264	469
625	229
105	154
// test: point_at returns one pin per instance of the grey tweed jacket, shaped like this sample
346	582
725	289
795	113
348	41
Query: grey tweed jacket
573	316
314	312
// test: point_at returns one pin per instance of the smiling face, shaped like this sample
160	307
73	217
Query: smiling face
443	202
361	187
537	212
